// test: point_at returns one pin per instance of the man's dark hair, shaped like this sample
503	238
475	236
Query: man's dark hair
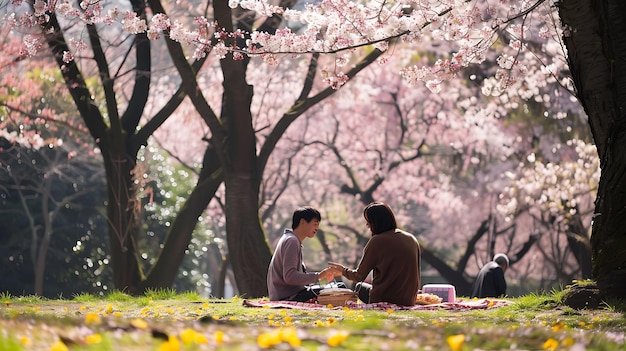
306	213
380	217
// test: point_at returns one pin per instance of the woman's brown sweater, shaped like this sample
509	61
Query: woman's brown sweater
394	256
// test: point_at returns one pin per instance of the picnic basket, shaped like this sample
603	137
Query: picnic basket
336	296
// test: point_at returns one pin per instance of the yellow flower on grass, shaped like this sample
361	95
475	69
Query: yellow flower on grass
117	314
456	341
550	344
199	339
273	338
59	346
558	326
109	309
187	336
337	337
24	340
290	336
389	310
82	308
93	339
267	340
359	318
568	342
139	323
190	336
92	318
219	337
172	344
288	319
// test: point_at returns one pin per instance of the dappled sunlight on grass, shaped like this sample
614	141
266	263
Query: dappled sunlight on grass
163	321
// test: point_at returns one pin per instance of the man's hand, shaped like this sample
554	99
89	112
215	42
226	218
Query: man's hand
326	275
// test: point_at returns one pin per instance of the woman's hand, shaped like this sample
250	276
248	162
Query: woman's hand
336	268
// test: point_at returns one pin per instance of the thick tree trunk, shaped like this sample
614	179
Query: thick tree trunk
121	215
118	165
248	250
595	37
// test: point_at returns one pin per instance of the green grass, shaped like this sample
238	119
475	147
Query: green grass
167	320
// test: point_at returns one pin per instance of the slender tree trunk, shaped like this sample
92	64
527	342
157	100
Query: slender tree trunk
42	250
164	271
578	242
595	37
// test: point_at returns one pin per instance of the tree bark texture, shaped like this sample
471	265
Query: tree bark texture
248	249
118	148
595	38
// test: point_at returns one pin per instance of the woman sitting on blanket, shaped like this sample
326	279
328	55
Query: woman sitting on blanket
392	254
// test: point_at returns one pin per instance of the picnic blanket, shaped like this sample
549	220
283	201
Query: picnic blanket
458	305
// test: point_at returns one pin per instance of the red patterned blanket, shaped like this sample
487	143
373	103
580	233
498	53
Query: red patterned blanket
458	305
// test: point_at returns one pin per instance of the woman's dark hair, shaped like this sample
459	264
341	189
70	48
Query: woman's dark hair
380	217
306	213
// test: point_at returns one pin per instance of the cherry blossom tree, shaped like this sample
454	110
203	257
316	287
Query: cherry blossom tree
524	38
117	134
120	128
440	167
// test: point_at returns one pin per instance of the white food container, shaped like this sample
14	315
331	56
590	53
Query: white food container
446	291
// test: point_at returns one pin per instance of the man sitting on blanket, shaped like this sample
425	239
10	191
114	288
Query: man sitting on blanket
287	276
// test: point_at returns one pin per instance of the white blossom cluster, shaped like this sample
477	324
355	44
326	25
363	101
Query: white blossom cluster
27	139
553	187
